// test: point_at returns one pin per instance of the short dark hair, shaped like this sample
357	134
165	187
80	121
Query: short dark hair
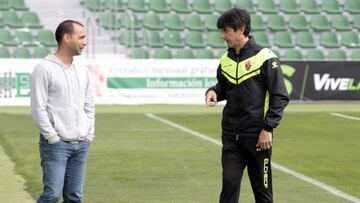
235	18
65	27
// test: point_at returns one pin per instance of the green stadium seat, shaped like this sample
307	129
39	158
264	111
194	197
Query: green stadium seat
47	38
180	6
355	55
320	23
283	39
222	5
1	23
246	4
257	23
159	6
293	54
276	52
261	38
309	7
95	5
289	6
173	39
214	40
210	22
130	21
162	54
4	52
204	54
350	39
194	39
139	53
6	38
41	52
18	5
153	39
130	39
4	6
21	52
137	6
193	22
202	6
331	6
298	23
340	23
108	21
356	22
276	23
315	54
173	22
25	38
337	55
267	6
184	54
115	5
329	40
352	6
305	39
153	22
31	19
12	20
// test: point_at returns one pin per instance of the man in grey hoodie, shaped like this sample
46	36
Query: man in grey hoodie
62	106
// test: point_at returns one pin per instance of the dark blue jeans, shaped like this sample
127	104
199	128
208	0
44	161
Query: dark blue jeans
63	166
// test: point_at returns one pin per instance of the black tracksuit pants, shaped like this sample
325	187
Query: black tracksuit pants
237	153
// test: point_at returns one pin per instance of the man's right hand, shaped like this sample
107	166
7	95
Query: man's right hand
211	98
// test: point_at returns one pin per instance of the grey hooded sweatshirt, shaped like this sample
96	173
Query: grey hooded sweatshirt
62	102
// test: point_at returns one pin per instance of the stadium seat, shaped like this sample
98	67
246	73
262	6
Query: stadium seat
350	39
12	20
214	40
267	6
139	53
159	6
108	21
283	39
246	4
288	6
184	54
356	22
41	52
4	6
130	39
293	54
162	54
137	6
115	5
31	19
202	6
222	5
337	55
173	39
298	23
47	38
18	5
305	39
6	38
355	55
329	40
276	23
153	22
25	38
320	23
315	54
352	6
173	22
204	54
193	22
130	21
340	23
95	5
210	22
21	52
153	39
4	52
257	23
194	39
261	38
276	52
309	7
331	6
1	23
180	6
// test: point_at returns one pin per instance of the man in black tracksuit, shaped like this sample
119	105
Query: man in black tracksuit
251	81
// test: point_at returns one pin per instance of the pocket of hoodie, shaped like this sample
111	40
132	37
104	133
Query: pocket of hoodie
64	122
84	123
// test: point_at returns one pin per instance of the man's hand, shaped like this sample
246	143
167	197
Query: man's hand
211	98
265	140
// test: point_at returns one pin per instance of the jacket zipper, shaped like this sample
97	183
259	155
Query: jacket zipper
237	67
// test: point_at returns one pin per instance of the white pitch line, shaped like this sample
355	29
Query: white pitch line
283	169
345	116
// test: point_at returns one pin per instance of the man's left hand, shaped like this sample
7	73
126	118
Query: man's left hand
265	140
